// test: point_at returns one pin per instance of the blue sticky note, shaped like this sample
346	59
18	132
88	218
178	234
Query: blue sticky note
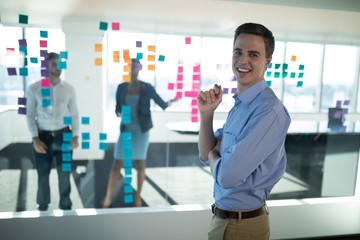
270	65
43	34
85	120
23	19
292	75
128	198
67	120
62	65
277	65
268	83
67	137
126	119
85	145
127	180
301	67
66	167
23	50
23	71
46	102
161	58
299	84
284	74
128	189
103	146
66	157
103	26
277	75
66	147
45	92
301	75
285	66
63	55
127	144
268	74
85	136
128	154
126	110
34	60
102	136
128	171
126	136
128	163
139	56
22	43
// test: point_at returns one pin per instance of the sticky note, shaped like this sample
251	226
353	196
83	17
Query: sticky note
62	65
98	61
268	74
126	136
292	75
195	86
103	146
85	145
128	163
66	157
161	58
11	71
277	65
34	60
63	55
22	43
127	180
67	137
126	110
194	111
85	136
128	198
43	43
46	102
10	51
127	68
66	147
23	71
102	136
139	56
191	94
66	167
179	77
45	92
180	69
284	74
194	119
22	110
196	77
45	63
126	55
151	58
127	144
138	44
268	83
116	56
277	75
171	86
23	19
85	120
194	102
44	34
270	66
233	90
103	26
151	48
45	73
346	102
128	154
21	101
128	171
44	53
98	47
151	67
293	58
338	114
67	120
299	84
301	67
115	26
45	82
178	95
179	85
188	40
23	50
196	68
128	189
338	103
126	78
225	90
285	66
301	75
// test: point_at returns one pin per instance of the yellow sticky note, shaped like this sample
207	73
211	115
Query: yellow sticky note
151	67
151	48
98	61
293	58
127	68
126	78
151	58
98	47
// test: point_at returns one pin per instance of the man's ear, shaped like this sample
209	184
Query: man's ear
268	61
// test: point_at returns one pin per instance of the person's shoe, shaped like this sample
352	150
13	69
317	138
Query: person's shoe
42	207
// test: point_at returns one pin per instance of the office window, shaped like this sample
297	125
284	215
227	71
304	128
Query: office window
339	76
303	75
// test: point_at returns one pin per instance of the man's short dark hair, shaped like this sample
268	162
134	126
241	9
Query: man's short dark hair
52	55
259	30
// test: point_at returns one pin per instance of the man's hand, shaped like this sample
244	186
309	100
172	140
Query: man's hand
209	100
39	145
75	142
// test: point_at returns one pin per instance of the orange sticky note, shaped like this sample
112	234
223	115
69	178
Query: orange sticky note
126	56
293	58
151	48
98	61
151	67
116	56
126	78
127	68
151	58
98	47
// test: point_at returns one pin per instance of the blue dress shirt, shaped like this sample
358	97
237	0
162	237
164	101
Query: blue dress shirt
252	153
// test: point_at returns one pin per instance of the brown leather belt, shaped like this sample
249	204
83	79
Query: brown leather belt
55	133
223	214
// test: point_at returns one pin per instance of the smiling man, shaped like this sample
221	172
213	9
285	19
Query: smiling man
247	155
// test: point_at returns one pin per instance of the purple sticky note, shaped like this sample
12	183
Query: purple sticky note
338	114
22	110
338	103
21	101
45	63
45	72
346	102
138	44
226	90
233	90
22	43
44	53
11	71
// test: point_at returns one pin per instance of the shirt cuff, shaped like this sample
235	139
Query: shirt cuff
204	162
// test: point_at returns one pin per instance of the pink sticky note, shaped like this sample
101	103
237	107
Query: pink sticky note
115	26
45	82
196	77
188	40
179	86
180	69
179	77
10	51
178	95
43	43
194	111
194	119
191	93
194	102
196	86
196	68
171	86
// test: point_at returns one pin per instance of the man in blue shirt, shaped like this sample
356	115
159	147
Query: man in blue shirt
247	155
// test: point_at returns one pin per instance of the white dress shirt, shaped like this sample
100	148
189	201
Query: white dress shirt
51	118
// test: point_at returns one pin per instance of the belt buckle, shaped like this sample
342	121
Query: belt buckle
52	133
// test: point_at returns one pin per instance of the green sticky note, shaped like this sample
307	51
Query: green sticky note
102	136
268	83
63	55
46	102
128	198
65	147
128	189
23	19
270	65
284	74
66	157
43	34
85	145
277	75
23	71
268	74
85	120
301	67
161	58
299	84
277	65
103	26
103	146
85	136
66	167
67	137
34	60
292	75
67	120
301	75
285	66
45	92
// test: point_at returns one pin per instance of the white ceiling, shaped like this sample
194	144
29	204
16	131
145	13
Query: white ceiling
198	17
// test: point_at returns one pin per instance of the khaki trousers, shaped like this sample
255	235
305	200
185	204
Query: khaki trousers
256	228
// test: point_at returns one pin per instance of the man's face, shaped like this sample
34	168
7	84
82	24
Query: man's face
249	61
53	68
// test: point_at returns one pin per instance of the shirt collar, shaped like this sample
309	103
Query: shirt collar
249	94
